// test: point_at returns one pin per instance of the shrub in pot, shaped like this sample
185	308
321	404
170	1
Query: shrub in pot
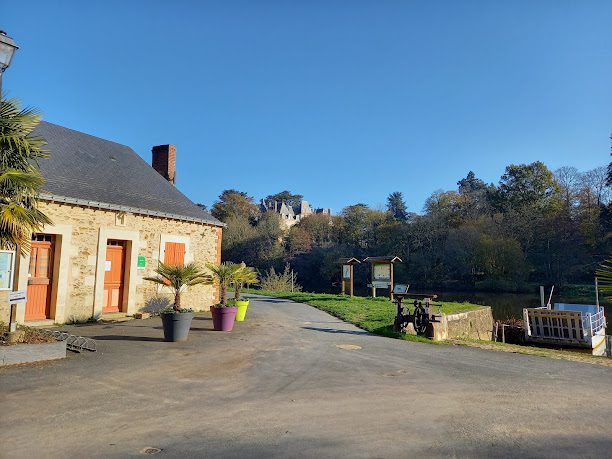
245	275
224	314
176	320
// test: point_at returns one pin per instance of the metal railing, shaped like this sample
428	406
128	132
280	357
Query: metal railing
593	323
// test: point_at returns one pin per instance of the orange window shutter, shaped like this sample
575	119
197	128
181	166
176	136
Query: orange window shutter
175	254
169	253
179	254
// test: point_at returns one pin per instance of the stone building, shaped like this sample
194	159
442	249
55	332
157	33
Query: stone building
114	217
291	215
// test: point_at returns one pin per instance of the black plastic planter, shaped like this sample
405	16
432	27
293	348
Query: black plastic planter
176	325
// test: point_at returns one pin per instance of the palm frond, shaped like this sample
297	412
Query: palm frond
245	275
604	279
178	277
225	272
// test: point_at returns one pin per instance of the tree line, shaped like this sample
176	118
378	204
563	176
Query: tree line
533	226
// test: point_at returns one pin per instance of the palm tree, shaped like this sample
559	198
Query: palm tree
246	275
179	277
225	273
20	179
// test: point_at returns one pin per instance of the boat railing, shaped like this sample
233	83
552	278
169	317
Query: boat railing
593	323
545	323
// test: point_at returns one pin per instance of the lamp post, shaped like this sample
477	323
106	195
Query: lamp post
7	49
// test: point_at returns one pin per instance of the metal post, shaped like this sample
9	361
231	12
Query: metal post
292	281
342	279
372	277
552	289
13	318
597	294
391	286
541	295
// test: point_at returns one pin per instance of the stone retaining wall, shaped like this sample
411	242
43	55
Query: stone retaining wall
476	324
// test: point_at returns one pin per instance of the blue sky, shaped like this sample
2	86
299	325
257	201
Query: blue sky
342	101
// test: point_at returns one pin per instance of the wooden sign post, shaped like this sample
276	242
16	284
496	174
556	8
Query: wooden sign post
347	274
381	273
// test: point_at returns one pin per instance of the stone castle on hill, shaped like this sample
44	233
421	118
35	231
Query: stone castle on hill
290	215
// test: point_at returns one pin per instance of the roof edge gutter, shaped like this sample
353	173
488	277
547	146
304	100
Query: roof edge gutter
134	210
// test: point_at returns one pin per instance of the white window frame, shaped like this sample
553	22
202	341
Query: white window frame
11	270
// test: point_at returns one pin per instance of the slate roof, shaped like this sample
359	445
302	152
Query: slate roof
87	170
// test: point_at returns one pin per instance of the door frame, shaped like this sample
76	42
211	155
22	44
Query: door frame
59	284
124	248
132	246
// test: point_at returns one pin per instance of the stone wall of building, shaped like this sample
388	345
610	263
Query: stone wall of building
85	224
4	307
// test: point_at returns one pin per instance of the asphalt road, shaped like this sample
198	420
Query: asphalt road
292	381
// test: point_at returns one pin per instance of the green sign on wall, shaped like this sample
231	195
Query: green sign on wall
142	261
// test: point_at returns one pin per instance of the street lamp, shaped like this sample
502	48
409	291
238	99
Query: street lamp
7	49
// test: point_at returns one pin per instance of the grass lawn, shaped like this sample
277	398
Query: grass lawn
375	315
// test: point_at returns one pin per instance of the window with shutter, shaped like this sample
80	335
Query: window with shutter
175	254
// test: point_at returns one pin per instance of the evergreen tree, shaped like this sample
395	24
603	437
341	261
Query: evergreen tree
234	204
396	206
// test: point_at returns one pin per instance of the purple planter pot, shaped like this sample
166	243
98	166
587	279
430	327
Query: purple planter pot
223	318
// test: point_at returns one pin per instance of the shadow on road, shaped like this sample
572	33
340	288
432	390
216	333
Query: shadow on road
335	330
273	300
125	338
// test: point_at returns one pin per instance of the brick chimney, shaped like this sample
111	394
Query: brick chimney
164	161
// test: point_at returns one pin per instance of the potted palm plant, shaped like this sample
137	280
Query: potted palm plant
245	275
176	320
223	314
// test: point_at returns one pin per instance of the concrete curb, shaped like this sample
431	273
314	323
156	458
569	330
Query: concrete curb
28	353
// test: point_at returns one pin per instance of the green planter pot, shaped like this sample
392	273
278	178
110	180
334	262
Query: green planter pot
242	309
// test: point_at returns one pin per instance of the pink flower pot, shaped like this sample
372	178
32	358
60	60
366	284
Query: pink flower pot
223	318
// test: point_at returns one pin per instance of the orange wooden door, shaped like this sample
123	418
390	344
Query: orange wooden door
40	278
113	276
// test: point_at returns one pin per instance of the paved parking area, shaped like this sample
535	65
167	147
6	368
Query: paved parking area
293	381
